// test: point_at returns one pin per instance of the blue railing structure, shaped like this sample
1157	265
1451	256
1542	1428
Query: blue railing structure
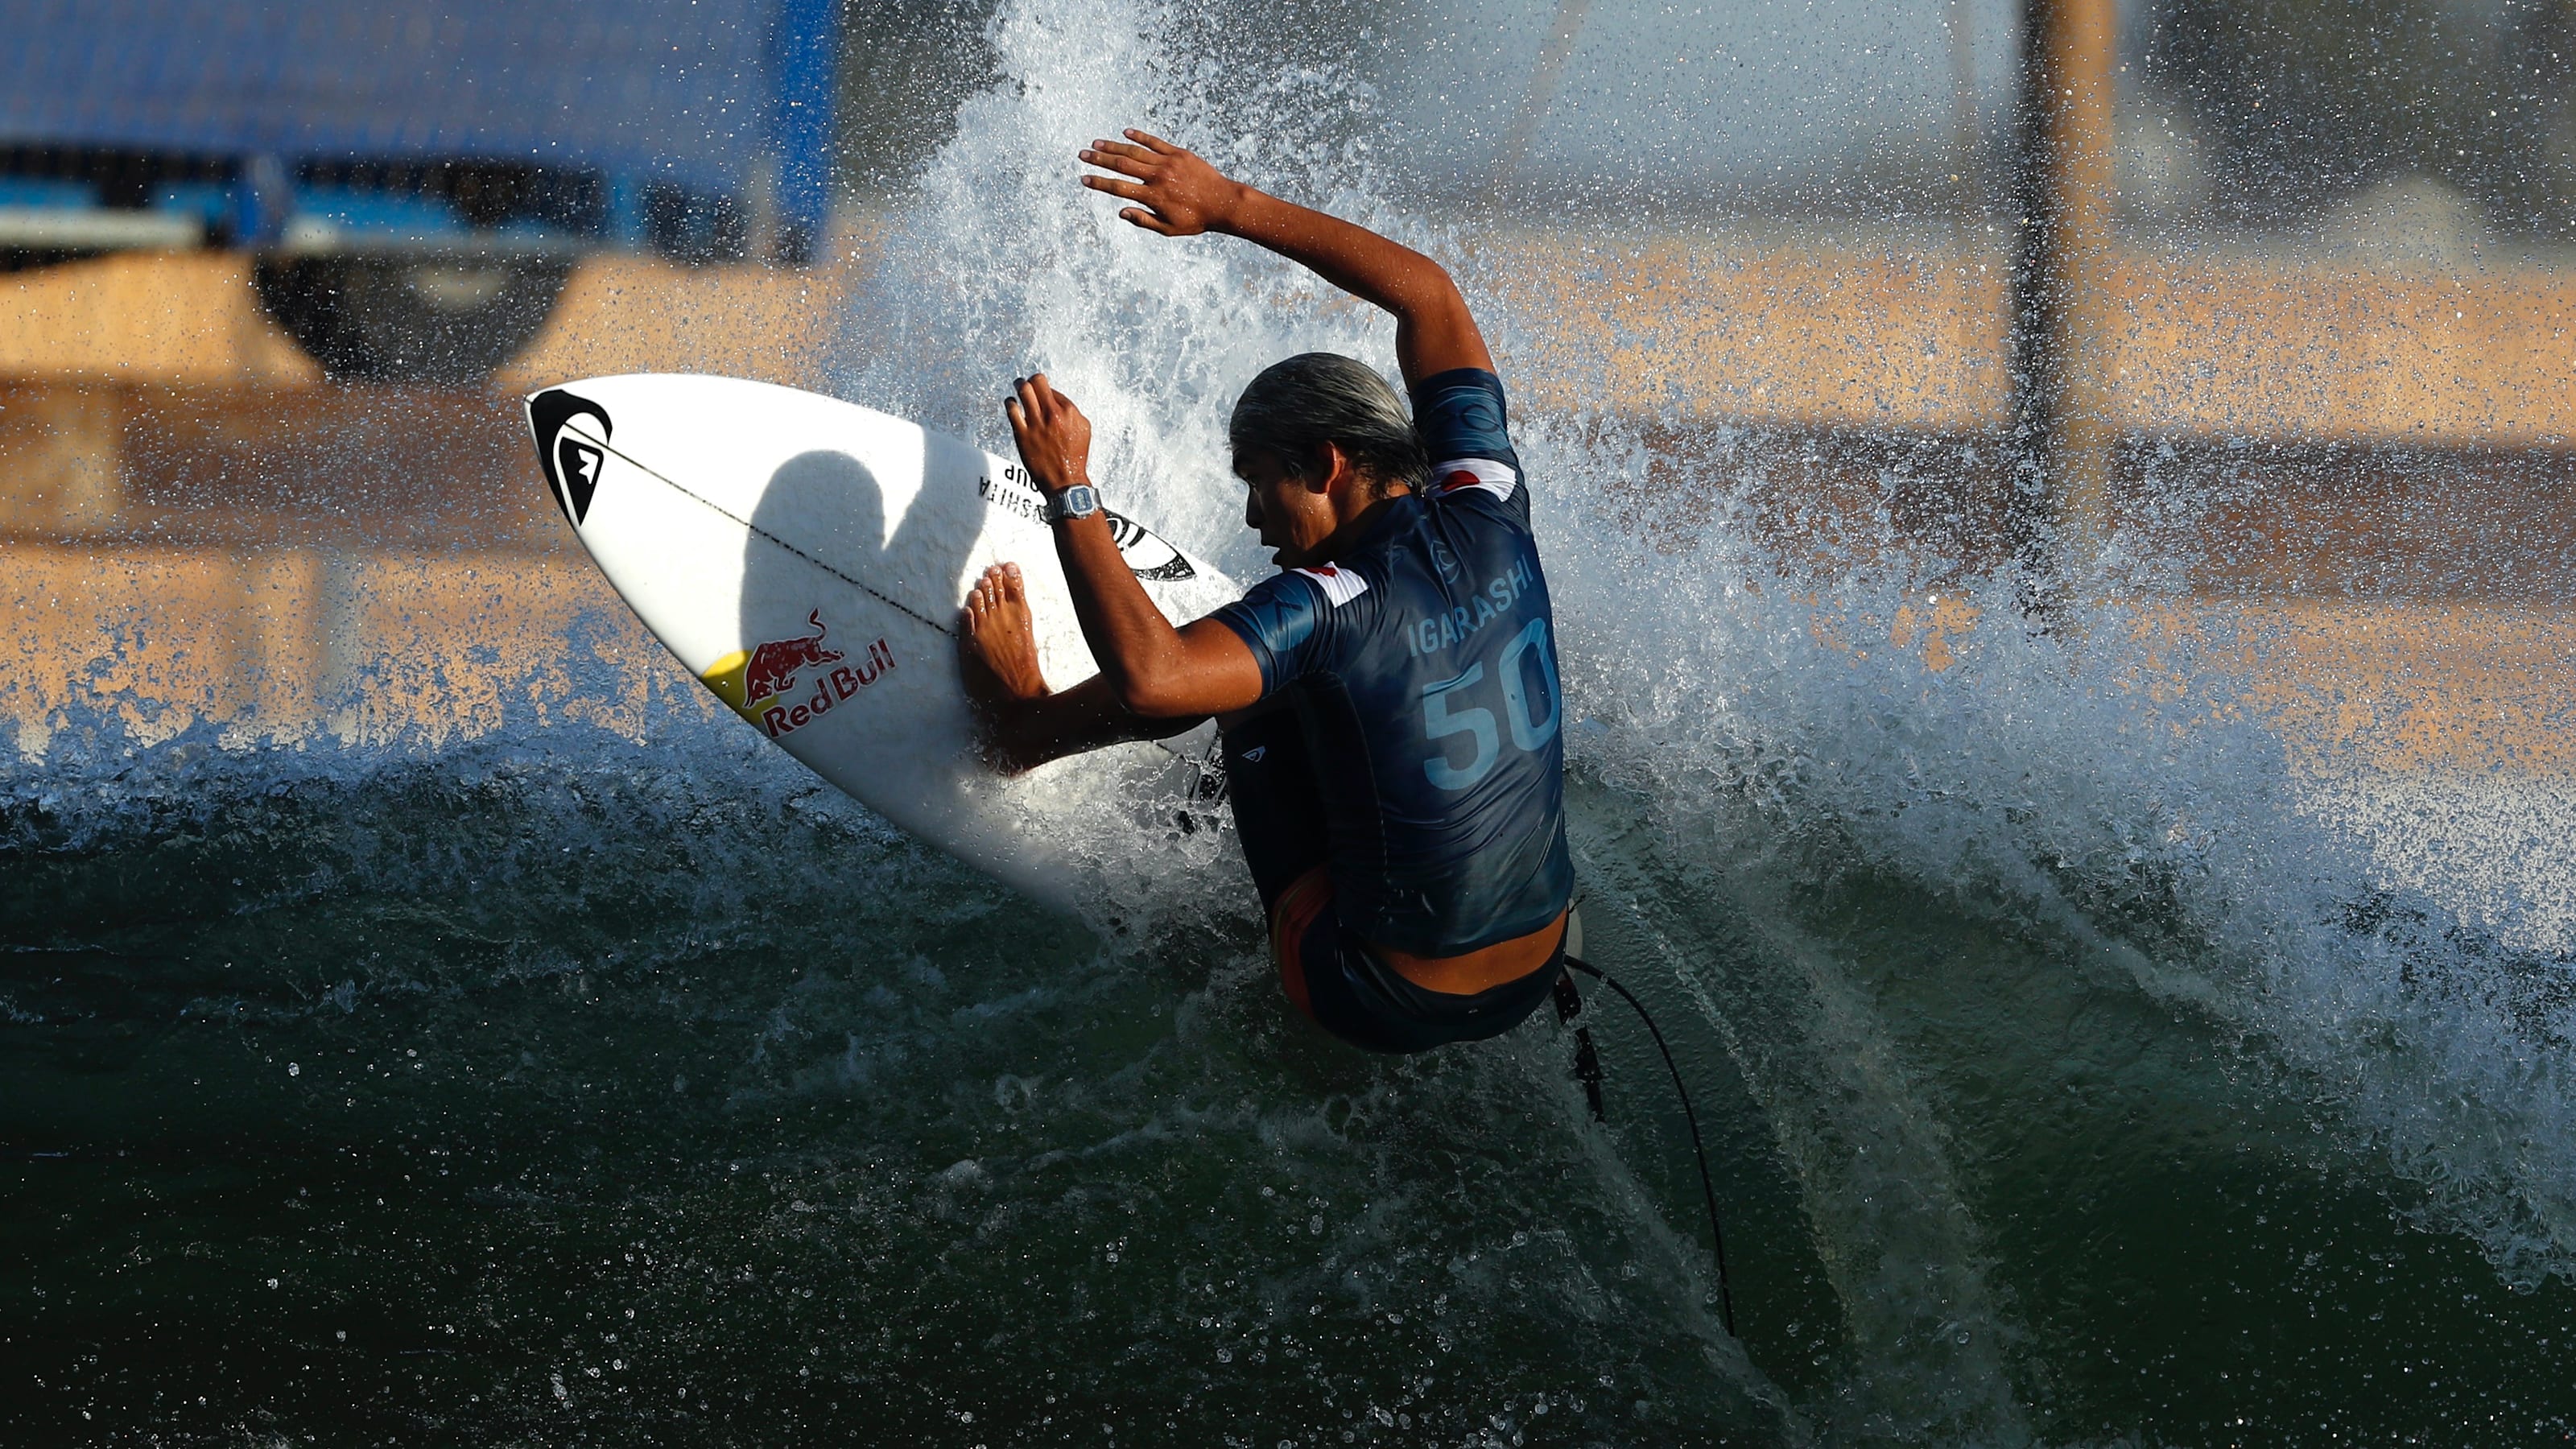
514	125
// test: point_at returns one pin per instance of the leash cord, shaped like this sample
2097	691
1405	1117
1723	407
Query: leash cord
1708	1191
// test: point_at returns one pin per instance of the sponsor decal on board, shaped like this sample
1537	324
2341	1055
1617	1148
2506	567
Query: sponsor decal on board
1148	556
572	464
786	684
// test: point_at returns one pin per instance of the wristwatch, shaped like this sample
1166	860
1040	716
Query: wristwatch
1079	501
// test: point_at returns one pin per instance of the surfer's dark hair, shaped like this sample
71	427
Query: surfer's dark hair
1295	407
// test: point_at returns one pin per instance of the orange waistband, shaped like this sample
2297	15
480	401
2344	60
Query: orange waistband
1478	970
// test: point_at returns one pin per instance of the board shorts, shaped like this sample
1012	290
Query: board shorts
1333	977
1328	972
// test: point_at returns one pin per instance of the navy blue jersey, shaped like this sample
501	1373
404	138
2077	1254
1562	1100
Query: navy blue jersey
1422	665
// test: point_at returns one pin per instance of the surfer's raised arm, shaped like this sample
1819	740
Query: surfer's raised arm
1177	193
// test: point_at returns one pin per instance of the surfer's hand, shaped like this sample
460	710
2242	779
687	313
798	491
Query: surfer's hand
1054	436
1182	194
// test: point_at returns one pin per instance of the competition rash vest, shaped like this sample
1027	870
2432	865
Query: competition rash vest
1422	666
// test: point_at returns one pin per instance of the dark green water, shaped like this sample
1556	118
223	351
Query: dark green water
603	1095
431	1103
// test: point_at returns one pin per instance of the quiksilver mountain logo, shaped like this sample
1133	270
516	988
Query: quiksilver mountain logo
572	463
578	464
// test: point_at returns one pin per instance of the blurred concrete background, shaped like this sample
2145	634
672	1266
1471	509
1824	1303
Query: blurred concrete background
1996	281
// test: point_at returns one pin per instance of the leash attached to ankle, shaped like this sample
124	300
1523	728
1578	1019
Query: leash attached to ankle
1587	1070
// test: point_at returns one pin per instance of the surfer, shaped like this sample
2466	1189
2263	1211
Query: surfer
1388	702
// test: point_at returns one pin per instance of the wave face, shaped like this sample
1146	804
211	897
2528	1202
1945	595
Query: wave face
2085	1055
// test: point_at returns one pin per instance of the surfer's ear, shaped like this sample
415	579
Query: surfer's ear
1334	468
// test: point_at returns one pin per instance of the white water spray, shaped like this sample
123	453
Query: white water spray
2079	789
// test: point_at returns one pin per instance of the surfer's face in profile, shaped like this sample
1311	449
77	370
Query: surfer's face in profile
1297	514
1272	507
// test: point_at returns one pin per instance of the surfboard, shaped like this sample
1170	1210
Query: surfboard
806	560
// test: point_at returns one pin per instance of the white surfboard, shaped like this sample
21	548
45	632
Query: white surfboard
806	559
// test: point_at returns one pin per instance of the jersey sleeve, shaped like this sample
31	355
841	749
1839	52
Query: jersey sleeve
1460	416
1283	622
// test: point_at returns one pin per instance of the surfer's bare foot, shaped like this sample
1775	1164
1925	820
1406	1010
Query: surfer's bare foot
997	653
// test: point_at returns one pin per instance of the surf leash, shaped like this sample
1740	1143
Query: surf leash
1587	1069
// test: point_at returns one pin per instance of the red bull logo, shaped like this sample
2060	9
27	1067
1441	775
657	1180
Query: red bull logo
772	667
766	684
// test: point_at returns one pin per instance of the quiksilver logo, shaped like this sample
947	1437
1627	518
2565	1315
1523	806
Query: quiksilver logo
572	464
579	463
1253	756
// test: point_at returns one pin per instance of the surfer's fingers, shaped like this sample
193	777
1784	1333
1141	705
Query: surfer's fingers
1134	160
1041	406
1153	143
1123	190
1029	393
1149	221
